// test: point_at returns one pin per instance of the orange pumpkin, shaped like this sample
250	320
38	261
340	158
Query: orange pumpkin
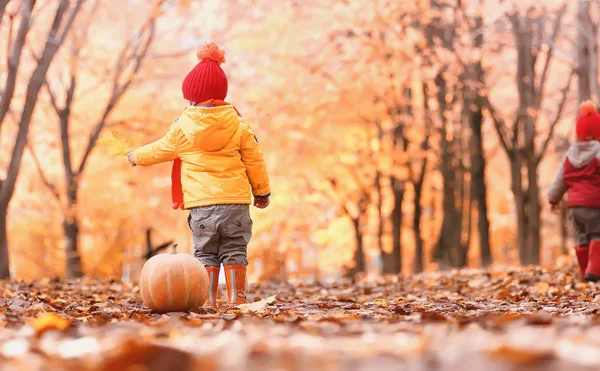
173	282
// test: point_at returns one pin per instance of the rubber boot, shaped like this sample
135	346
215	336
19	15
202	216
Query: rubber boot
235	276
582	253
592	273
213	285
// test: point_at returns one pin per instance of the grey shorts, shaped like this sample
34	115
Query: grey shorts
587	224
221	234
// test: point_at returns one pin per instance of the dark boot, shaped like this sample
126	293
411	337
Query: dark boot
592	273
235	276
582	253
213	285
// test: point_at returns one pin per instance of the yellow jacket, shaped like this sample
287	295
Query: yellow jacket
221	160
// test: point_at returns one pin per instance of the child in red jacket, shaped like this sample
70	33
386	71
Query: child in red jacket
579	175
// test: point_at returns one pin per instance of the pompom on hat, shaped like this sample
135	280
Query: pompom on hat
588	122
207	80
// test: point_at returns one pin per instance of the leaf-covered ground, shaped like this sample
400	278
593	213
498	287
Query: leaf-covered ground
461	320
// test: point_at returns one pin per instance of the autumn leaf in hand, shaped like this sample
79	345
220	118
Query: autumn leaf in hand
117	145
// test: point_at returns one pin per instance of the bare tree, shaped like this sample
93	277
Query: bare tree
587	52
355	209
474	101
452	246
64	17
417	177
126	68
521	141
400	113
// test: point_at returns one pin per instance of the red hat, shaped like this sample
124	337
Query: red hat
588	122
207	80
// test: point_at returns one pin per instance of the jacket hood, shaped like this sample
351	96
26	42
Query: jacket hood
209	128
580	154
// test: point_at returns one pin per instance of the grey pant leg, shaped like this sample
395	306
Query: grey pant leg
235	231
206	236
586	221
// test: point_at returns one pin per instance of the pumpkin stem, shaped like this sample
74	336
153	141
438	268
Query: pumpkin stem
173	249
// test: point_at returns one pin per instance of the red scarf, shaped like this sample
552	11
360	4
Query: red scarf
176	188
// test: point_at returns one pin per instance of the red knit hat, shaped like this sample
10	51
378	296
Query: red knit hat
588	122
207	80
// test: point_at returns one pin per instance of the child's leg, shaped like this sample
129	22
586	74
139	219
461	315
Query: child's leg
206	246
582	239
235	231
592	224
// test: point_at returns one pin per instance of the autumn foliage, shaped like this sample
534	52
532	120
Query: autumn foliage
396	141
510	318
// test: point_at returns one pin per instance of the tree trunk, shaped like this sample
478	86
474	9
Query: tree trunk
520	208
583	52
534	215
71	232
525	157
71	235
380	216
449	249
465	200
478	164
4	262
392	262
379	186
418	212
478	186
467	211
359	255
34	86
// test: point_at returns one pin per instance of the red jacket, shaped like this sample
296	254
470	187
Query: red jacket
579	176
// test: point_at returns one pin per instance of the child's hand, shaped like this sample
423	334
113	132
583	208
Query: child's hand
555	208
261	202
130	158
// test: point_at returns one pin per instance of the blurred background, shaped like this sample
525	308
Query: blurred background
400	136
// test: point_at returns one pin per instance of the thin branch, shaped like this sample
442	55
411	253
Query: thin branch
559	112
15	57
339	200
119	88
51	187
327	76
3	4
33	88
499	125
9	43
549	55
64	119
52	96
172	55
70	20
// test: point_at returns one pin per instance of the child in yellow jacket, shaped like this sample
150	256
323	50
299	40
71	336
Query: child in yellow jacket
219	166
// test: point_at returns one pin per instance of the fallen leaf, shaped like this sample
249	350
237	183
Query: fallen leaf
50	321
542	287
521	356
539	319
433	317
134	354
40	307
19	305
257	306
